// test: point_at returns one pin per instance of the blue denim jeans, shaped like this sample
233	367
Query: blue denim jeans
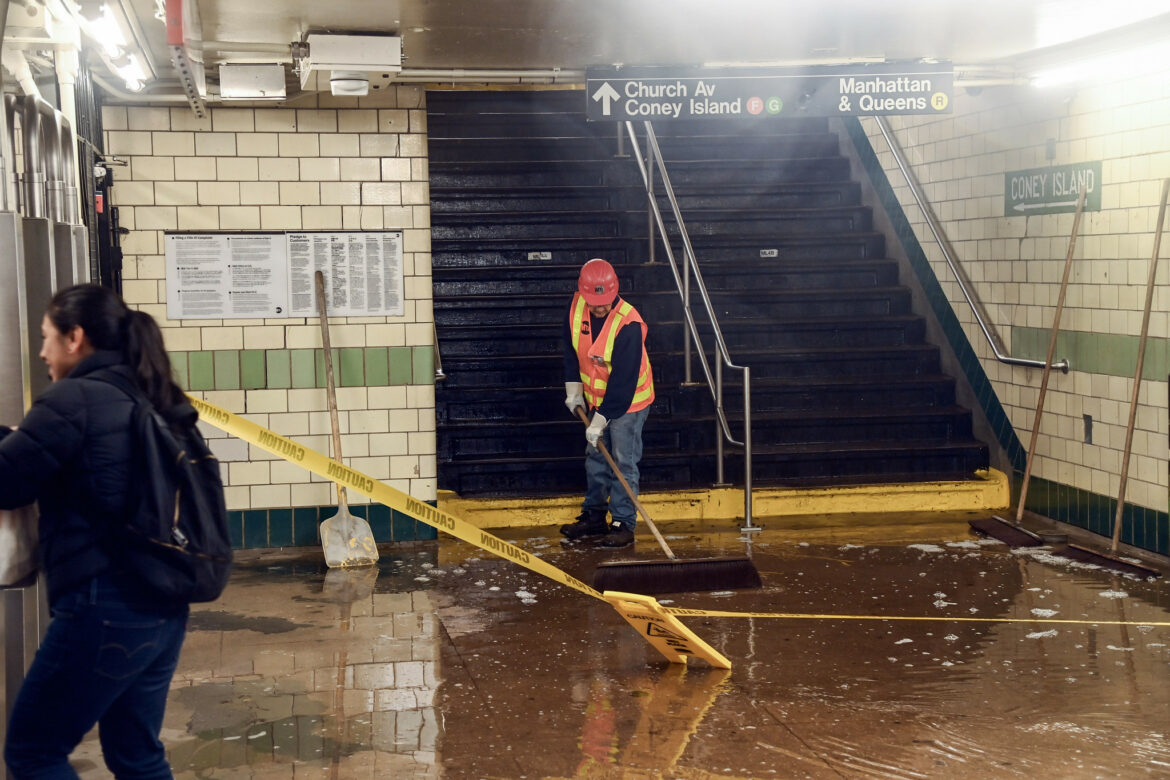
623	438
107	658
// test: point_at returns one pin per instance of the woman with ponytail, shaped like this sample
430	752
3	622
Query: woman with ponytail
112	646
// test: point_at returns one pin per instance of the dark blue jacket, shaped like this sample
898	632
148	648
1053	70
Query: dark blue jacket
72	455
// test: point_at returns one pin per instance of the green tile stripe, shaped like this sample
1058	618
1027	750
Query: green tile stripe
1096	353
937	299
297	526
1141	527
260	369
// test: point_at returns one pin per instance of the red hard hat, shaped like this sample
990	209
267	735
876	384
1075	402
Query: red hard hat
598	283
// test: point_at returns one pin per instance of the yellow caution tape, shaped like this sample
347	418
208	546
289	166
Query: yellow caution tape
338	472
683	612
640	611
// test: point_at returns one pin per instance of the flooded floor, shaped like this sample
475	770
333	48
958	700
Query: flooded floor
454	663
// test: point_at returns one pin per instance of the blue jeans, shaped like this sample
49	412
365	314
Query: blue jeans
107	658
623	438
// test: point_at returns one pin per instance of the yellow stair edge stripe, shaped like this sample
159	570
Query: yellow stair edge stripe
989	493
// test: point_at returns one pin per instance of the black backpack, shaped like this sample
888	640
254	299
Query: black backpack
175	532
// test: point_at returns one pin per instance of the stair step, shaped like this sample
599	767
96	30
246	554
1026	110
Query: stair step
667	336
560	475
500	255
548	199
897	460
769	306
794	275
708	249
547	369
780	196
545	173
558	433
748	171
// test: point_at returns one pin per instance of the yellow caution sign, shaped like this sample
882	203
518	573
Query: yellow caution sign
663	630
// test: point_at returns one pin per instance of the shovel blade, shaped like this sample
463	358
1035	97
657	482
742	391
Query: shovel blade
348	541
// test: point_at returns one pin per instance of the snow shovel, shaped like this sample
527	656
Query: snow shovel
346	539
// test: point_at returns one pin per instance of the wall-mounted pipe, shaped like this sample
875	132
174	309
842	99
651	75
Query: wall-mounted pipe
8	120
34	164
50	167
72	212
51	156
8	154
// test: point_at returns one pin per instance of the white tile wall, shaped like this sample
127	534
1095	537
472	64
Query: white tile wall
325	167
1016	263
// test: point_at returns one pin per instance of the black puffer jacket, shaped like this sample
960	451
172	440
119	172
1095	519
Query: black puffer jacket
72	454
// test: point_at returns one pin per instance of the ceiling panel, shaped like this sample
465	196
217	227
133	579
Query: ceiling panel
573	34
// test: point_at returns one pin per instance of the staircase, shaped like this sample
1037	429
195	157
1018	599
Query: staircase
523	191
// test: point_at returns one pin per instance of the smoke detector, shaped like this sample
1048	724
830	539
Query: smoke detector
348	62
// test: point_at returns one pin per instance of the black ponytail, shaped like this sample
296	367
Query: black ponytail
111	325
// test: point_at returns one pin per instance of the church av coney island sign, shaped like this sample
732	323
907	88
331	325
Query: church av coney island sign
661	92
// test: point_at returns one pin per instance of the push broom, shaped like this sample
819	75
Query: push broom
673	575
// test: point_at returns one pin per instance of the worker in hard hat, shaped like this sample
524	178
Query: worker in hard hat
607	373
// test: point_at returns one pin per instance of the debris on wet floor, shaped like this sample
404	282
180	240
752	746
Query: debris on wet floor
454	663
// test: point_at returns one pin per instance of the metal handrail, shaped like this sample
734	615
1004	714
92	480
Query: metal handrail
714	383
439	375
989	331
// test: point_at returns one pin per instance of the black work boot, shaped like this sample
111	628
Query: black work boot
618	536
590	523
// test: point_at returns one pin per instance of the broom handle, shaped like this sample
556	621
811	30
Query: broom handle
330	387
629	491
1072	245
1137	374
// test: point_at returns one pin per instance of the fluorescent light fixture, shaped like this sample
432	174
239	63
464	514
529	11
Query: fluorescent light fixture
1110	66
132	73
109	32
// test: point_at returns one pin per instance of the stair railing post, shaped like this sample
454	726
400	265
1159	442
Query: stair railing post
650	228
747	452
719	480
686	331
621	143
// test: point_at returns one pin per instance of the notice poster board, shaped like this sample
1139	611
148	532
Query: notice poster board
270	275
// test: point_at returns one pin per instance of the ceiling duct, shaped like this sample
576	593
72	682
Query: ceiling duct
349	64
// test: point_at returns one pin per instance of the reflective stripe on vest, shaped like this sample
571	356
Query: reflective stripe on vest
595	358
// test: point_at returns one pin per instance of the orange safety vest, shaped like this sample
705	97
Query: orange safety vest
595	357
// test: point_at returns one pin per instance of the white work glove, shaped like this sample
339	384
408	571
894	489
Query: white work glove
574	396
596	426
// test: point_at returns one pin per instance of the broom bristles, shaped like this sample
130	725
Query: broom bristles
682	576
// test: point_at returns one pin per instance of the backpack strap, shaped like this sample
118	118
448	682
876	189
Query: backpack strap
112	376
179	416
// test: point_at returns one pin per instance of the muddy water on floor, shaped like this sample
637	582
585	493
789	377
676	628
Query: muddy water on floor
453	663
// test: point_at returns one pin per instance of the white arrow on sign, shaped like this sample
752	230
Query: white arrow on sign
606	95
1030	206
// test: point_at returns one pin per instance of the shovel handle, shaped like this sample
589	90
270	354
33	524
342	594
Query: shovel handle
330	387
629	491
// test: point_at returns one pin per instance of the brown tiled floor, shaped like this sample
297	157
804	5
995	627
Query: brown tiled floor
453	663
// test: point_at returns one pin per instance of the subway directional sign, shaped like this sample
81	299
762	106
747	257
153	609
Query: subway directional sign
654	93
1051	190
